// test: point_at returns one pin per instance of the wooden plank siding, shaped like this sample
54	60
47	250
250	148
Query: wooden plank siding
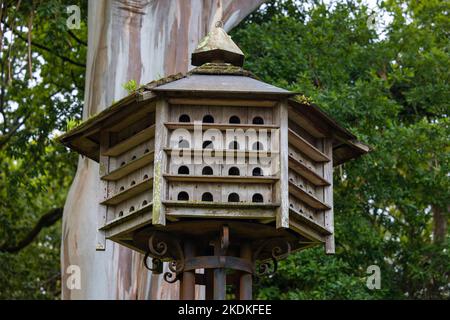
160	163
328	198
282	187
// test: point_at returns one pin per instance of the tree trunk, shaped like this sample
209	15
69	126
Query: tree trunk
141	40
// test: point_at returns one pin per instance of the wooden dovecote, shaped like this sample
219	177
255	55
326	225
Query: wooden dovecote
215	144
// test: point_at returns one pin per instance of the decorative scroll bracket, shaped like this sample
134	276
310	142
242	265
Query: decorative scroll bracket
267	264
164	247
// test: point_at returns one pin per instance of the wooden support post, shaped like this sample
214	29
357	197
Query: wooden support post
187	291
209	284
104	190
219	276
237	286
282	186
245	281
160	164
328	197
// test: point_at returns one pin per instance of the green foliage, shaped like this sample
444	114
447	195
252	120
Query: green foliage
34	272
72	123
35	171
314	275
130	86
391	88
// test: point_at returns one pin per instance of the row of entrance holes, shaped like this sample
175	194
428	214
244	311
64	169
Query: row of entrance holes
122	188
134	157
301	161
301	186
210	119
233	171
144	203
301	211
232	197
234	145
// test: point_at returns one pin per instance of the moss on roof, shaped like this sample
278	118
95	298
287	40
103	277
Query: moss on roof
96	117
207	68
156	83
222	69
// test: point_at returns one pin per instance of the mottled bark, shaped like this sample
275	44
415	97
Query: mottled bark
141	40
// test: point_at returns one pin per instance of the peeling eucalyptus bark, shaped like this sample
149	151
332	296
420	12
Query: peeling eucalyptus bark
141	40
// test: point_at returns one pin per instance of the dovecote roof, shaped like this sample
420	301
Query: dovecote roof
85	137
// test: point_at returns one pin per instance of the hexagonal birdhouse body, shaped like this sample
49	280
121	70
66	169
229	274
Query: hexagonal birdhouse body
215	144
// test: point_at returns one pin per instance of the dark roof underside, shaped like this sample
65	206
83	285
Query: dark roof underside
346	145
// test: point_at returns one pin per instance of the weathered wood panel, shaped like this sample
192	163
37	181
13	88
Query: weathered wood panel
308	149
160	163
131	142
104	191
282	187
328	198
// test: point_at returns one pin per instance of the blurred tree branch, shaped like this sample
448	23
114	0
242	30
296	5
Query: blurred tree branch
42	47
47	220
74	36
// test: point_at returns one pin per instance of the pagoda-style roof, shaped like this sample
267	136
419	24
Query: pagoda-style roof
221	79
222	85
211	79
219	75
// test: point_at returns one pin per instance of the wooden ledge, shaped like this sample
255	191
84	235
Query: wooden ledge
131	142
308	174
129	167
130	192
305	147
307	198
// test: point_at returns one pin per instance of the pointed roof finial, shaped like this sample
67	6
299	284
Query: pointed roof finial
217	46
